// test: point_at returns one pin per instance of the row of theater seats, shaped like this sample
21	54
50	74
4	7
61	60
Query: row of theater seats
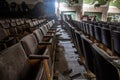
32	58
12	30
97	44
102	32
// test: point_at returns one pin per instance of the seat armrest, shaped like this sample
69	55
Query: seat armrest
51	32
53	28
114	57
38	57
48	36
45	43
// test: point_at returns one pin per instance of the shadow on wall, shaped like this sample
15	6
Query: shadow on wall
38	10
14	10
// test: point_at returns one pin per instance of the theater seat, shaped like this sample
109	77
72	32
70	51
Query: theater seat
106	37
97	33
46	31
105	25
91	27
32	47
32	27
87	29
105	70
52	24
112	27
15	65
5	40
118	28
89	55
40	37
44	39
116	42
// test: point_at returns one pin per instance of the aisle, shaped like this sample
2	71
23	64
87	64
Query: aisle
66	63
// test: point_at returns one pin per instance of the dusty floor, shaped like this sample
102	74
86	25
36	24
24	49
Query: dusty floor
66	62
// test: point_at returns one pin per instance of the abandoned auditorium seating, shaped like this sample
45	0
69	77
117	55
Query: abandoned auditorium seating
98	47
88	53
40	43
106	37
25	52
5	40
71	31
98	33
15	65
105	70
46	40
12	30
31	45
116	42
80	44
48	33
91	27
41	38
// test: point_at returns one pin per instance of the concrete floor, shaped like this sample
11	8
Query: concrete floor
66	59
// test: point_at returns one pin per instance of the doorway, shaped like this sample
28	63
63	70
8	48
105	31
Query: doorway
72	13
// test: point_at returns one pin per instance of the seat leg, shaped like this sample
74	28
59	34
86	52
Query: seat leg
47	69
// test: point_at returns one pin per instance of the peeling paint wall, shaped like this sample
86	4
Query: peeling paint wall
76	7
103	10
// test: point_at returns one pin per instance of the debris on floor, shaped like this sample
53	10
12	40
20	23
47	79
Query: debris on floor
67	66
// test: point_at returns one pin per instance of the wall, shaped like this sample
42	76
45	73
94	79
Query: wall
30	9
30	3
103	10
76	7
113	9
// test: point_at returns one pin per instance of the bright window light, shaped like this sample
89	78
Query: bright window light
62	6
56	4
